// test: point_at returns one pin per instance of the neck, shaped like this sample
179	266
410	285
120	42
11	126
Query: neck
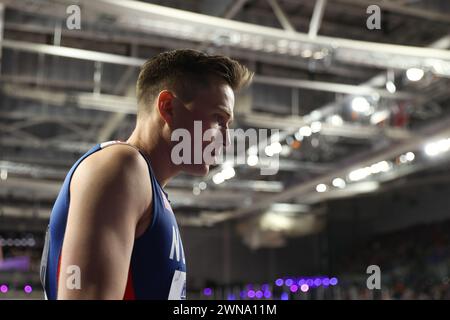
156	149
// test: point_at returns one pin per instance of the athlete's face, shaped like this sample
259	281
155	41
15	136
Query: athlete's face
207	119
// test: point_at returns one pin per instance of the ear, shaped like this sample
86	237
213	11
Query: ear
165	106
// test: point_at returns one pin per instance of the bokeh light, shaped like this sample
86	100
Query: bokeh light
3	288
304	288
207	291
333	281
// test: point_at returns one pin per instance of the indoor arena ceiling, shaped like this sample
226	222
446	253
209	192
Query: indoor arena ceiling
352	117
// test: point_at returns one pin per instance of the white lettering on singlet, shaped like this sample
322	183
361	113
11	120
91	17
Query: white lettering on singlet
178	286
176	246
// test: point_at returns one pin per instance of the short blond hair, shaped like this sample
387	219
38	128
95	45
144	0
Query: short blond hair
183	70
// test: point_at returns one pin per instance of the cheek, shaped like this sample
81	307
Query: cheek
213	132
211	126
182	118
184	121
213	136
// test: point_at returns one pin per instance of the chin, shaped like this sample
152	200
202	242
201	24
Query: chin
198	170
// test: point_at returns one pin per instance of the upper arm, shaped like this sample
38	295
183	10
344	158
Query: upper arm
108	197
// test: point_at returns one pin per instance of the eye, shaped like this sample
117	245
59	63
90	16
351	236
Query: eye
220	120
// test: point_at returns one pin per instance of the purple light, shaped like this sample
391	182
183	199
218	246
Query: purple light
310	282
326	282
28	289
267	294
243	294
279	282
301	282
317	282
259	294
289	282
17	263
207	291
251	294
304	288
294	288
249	287
333	281
265	287
231	297
3	288
284	296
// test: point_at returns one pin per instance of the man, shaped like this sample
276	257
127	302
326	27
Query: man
112	232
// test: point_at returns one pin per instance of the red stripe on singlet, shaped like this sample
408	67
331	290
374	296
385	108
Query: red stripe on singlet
57	274
129	290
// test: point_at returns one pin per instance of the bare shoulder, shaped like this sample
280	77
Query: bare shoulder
120	158
116	173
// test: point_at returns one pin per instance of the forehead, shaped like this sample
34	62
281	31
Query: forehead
216	95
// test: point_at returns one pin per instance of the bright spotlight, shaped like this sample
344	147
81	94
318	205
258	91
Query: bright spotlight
339	183
410	156
382	166
435	148
414	74
268	150
228	173
305	131
218	178
336	120
252	160
359	174
276	147
390	86
321	187
360	104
